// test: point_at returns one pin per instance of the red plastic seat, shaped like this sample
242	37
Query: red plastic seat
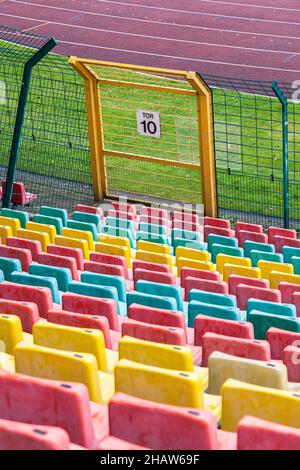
41	296
291	358
282	232
153	276
19	436
165	427
257	434
60	262
19	195
22	254
224	232
32	245
214	222
92	306
155	333
245	292
248	348
279	340
247	227
80	320
244	235
280	242
218	287
235	280
237	329
67	252
26	311
198	274
89	209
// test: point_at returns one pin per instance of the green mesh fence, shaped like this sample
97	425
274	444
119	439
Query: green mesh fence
249	151
54	158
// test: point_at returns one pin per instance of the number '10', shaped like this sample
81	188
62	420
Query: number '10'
149	126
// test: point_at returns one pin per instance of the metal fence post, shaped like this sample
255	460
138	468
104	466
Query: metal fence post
284	104
15	146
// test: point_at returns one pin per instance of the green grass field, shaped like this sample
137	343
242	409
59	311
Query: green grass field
248	138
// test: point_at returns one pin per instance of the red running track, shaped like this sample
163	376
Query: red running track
252	39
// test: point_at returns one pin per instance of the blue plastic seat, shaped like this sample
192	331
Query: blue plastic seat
46	219
163	290
226	300
55	212
38	281
148	300
275	308
62	275
106	280
250	245
218	311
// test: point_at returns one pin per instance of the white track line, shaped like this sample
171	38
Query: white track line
164	23
270	51
175	57
248	5
173	10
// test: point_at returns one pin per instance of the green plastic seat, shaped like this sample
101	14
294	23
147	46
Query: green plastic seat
256	255
220	240
153	228
185	234
23	217
148	300
88	218
8	266
120	232
106	280
226	300
153	237
37	281
296	264
55	212
225	250
250	245
120	223
76	225
275	308
46	219
195	245
62	275
288	253
218	311
165	290
263	321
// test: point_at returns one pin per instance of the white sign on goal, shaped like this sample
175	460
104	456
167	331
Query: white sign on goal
148	123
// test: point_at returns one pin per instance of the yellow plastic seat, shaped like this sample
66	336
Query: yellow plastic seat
277	277
229	269
14	224
223	259
161	355
42	237
11	333
48	363
74	243
173	387
112	240
223	366
240	399
5	231
50	229
194	264
190	253
154	257
81	235
267	267
153	247
7	362
68	338
115	250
